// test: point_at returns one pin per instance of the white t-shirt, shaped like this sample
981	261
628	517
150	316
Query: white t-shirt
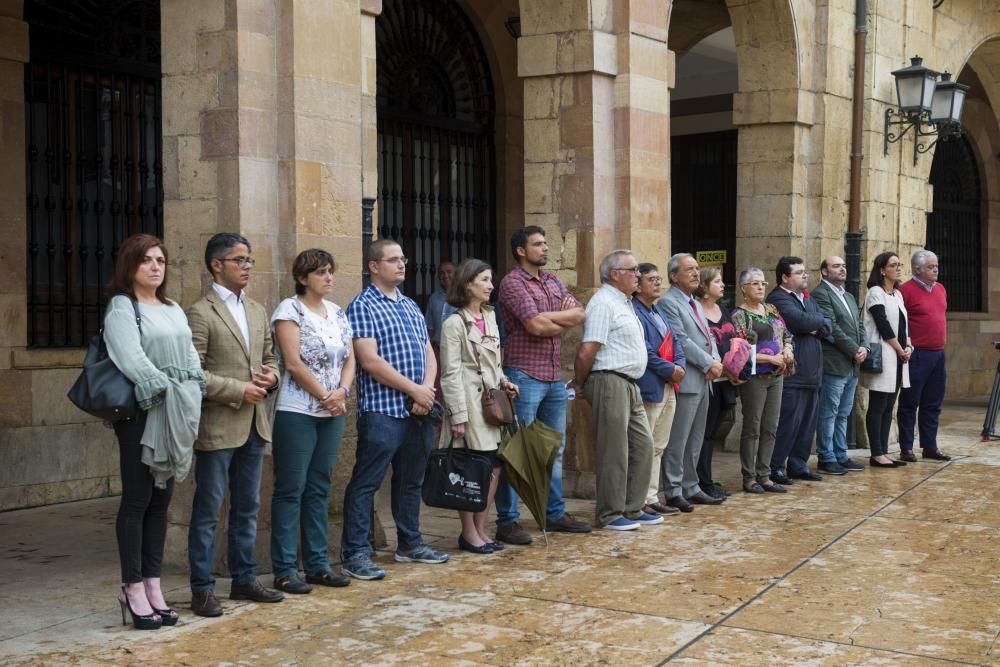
324	344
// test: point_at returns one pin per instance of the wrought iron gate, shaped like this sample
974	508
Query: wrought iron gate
954	227
435	139
94	155
703	195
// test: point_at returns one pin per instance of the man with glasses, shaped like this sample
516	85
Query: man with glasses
843	353
703	365
535	310
396	369
800	395
610	360
233	338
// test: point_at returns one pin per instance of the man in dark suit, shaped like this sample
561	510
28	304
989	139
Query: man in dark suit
800	396
843	353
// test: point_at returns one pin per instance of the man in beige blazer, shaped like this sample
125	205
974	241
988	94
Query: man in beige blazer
232	335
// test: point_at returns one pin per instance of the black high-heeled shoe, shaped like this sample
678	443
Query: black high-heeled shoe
875	463
148	622
168	616
465	545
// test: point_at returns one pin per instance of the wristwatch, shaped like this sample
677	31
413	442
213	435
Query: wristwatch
347	390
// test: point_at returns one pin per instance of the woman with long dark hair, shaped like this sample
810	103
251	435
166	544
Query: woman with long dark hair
157	355
885	326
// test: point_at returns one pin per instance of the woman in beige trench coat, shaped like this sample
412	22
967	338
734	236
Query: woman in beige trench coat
470	363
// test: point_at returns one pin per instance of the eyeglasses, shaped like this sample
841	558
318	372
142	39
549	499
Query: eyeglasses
655	280
395	260
627	269
757	283
242	262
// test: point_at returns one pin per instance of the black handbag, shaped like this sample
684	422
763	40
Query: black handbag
457	479
873	362
102	390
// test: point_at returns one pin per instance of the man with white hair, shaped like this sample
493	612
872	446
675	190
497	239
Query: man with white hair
611	358
926	306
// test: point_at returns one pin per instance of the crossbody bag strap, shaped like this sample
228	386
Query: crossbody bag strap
475	352
138	317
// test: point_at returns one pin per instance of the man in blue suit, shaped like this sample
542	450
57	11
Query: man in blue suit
800	395
657	384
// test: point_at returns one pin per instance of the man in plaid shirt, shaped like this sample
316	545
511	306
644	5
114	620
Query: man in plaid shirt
536	308
396	369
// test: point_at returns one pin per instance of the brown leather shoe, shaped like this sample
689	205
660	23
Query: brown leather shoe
254	591
935	454
660	508
512	533
907	455
203	603
680	503
567	524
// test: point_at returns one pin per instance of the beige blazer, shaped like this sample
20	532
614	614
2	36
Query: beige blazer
225	418
460	379
886	380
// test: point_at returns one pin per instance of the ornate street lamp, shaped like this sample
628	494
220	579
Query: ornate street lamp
927	106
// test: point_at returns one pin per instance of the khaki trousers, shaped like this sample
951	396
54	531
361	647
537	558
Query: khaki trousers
660	417
761	398
623	444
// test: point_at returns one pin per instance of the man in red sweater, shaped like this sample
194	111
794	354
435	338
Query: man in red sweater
926	305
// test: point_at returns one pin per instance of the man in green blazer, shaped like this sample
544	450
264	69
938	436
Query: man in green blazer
843	352
232	335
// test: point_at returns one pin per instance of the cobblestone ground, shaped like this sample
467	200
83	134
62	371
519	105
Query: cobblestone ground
887	567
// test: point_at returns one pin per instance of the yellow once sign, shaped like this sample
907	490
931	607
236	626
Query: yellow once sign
711	257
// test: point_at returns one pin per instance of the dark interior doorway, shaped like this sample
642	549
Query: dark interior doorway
703	195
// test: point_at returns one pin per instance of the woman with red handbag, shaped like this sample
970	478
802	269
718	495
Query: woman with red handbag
470	369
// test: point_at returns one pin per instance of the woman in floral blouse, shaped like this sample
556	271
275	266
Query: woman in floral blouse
761	325
314	340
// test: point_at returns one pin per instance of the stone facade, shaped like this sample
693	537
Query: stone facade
269	128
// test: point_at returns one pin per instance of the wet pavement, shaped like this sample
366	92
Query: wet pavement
881	567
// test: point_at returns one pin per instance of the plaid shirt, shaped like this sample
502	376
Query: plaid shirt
401	336
522	297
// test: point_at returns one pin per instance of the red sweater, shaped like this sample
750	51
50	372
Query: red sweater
925	314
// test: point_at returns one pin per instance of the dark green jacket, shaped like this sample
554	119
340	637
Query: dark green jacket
848	332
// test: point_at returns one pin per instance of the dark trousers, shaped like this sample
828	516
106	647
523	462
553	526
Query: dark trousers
878	420
720	404
142	515
925	394
796	429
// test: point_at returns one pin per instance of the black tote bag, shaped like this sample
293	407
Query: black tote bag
457	479
102	390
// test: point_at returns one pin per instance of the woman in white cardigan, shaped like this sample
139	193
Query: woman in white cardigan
885	326
470	361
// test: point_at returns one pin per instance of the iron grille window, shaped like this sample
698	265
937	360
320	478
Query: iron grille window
94	156
954	227
435	139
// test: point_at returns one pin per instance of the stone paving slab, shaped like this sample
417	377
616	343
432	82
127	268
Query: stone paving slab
883	567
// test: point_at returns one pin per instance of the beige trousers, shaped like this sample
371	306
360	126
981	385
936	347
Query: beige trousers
660	417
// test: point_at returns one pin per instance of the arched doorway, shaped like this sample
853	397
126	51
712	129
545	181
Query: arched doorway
435	138
954	227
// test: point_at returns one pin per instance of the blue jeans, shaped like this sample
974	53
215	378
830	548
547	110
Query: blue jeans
545	401
239	468
835	405
384	440
305	452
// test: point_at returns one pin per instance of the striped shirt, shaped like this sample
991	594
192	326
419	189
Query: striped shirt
612	322
398	328
522	297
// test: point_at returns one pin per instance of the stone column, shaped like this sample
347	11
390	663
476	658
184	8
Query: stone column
596	162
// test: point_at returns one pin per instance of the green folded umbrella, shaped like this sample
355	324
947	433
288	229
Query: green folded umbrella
528	457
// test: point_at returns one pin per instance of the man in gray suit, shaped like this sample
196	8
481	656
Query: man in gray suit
687	320
843	352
